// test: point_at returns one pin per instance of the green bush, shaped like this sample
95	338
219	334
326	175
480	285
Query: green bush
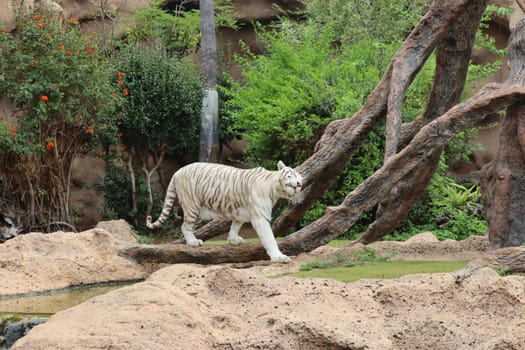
449	210
163	102
178	29
67	105
383	21
359	257
161	114
289	94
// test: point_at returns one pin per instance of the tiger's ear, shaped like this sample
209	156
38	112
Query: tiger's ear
280	165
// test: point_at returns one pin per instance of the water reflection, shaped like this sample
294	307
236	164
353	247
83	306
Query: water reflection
54	301
19	314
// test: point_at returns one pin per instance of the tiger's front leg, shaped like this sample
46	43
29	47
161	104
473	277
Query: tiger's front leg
264	231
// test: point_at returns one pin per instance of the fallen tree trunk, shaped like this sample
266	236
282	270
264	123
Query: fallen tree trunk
505	261
181	253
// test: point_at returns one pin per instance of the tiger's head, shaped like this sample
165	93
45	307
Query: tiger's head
291	181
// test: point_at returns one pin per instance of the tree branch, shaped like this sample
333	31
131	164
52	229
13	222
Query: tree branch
411	57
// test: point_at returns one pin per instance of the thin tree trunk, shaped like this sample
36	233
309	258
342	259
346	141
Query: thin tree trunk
133	188
148	173
209	139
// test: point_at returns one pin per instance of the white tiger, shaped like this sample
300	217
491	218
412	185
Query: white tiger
207	190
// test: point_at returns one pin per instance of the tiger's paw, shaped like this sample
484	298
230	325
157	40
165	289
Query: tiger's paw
195	242
236	241
280	258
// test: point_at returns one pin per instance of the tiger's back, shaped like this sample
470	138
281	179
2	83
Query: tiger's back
225	191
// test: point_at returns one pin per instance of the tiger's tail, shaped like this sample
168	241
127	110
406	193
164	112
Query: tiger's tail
171	196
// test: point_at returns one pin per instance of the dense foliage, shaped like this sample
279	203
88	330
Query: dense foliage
59	81
177	28
289	95
383	21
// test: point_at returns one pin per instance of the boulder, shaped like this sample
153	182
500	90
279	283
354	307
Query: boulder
121	231
37	262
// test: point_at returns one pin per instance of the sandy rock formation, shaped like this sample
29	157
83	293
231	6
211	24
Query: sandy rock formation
425	246
187	306
37	262
120	230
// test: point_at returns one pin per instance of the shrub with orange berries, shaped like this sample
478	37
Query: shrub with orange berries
66	102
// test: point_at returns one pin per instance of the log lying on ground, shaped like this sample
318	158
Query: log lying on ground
206	254
181	253
210	230
510	259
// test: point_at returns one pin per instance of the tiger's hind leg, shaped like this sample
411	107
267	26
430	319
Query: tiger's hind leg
233	235
188	227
